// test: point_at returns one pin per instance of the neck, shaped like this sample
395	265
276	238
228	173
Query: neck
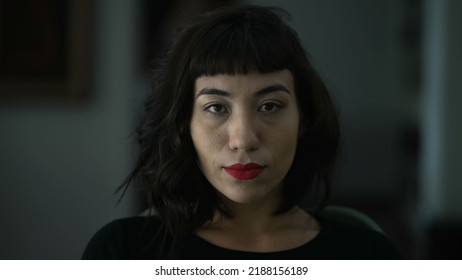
255	227
255	217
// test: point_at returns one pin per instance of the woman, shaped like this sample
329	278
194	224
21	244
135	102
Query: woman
238	130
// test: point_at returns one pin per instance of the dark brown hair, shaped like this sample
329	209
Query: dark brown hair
230	40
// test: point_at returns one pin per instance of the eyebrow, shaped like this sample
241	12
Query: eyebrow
263	91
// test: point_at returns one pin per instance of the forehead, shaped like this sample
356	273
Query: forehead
251	81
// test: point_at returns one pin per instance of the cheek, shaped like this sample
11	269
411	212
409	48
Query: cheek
285	140
286	145
207	142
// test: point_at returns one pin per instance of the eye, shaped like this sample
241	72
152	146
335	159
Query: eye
215	109
269	107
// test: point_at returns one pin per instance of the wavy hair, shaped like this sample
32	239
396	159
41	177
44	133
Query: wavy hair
230	40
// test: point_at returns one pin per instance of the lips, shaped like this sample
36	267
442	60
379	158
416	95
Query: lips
244	171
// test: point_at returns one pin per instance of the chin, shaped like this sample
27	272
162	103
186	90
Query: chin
246	196
243	200
247	192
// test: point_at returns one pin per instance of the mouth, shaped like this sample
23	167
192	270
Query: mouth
247	171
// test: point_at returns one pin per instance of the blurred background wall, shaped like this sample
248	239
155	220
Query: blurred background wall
393	68
60	161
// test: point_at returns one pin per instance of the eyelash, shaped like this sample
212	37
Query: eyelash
209	109
275	107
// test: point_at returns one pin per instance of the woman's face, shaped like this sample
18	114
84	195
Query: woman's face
244	129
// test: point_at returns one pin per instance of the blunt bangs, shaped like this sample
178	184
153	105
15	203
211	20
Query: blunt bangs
233	40
244	41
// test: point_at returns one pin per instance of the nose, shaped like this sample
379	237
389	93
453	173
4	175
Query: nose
243	133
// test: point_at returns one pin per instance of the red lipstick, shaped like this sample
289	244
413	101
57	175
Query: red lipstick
244	171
